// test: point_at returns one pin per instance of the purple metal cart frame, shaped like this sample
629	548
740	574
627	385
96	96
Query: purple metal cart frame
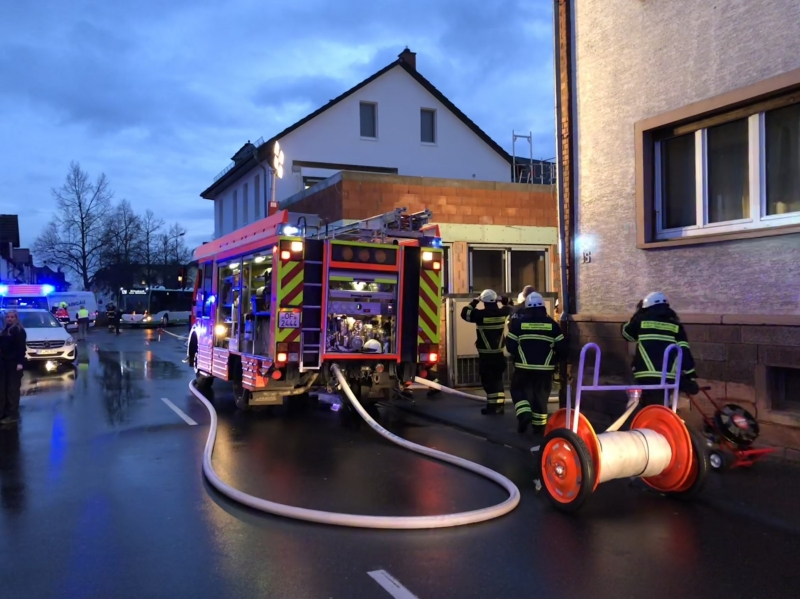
596	386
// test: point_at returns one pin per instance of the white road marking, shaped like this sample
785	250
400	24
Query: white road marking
179	412
391	585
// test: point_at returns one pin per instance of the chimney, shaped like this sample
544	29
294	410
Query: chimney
409	57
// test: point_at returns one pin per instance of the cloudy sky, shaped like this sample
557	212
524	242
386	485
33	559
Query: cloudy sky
159	95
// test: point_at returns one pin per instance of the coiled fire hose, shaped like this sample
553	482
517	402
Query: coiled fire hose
356	520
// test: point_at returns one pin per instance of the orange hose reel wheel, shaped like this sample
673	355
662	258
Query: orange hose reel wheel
667	423
567	470
585	433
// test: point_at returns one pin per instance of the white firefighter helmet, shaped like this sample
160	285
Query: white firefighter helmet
374	346
534	300
652	299
488	296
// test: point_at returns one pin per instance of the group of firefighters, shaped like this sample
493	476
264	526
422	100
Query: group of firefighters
536	344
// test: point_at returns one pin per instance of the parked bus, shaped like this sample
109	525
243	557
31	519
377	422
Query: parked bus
155	306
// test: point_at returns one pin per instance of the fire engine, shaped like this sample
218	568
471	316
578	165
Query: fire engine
278	302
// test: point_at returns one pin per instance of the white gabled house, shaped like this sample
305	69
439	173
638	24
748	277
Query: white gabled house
393	122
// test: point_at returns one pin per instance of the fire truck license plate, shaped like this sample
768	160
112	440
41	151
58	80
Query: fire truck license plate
289	320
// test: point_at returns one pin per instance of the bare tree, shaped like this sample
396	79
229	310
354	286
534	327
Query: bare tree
75	236
151	225
124	236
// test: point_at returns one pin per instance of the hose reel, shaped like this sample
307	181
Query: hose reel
659	448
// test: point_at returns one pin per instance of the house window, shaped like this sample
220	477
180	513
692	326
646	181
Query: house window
427	118
487	270
731	172
311	181
245	205
783	384
369	121
220	211
507	270
782	147
235	209
257	197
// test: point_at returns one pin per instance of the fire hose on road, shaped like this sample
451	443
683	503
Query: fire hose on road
356	520
439	387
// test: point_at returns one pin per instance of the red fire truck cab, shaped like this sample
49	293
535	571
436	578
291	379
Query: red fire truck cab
277	303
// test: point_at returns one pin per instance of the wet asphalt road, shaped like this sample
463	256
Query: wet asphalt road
102	495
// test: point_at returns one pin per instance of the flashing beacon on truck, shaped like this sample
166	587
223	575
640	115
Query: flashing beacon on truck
278	302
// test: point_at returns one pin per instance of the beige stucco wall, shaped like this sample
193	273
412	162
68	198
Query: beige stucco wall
638	58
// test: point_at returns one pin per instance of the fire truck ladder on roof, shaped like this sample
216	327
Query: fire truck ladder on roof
397	223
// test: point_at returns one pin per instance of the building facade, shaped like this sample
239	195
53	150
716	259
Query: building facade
395	123
680	145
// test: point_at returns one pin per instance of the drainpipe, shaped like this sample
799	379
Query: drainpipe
564	370
560	181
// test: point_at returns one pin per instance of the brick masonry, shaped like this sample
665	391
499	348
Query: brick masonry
361	195
734	359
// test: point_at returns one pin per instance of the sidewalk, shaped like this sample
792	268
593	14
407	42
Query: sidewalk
766	492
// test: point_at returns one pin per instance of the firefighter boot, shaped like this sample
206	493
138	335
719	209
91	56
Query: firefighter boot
524	416
495	404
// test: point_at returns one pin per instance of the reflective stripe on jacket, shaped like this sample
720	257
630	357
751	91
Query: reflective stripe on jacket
653	331
490	323
535	340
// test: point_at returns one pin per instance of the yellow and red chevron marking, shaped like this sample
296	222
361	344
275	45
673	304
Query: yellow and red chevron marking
430	301
290	295
290	285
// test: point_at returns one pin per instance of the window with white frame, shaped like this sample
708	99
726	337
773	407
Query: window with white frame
235	209
427	119
369	119
507	270
733	175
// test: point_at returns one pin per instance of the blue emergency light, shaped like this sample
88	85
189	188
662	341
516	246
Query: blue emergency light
47	289
3	289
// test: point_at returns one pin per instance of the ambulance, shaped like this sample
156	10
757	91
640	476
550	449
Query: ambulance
277	302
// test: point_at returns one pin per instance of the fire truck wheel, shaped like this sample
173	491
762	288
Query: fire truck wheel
241	397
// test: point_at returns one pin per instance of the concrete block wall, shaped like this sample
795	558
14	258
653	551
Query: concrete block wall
733	355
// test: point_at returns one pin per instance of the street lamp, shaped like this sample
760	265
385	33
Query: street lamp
277	173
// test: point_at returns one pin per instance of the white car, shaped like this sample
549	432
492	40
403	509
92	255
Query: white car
48	342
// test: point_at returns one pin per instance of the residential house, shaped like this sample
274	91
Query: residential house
680	146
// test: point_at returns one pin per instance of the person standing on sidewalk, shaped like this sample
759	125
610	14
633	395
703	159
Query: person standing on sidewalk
12	358
490	322
83	323
536	343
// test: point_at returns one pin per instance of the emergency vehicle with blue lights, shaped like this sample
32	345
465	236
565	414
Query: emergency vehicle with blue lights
45	297
279	301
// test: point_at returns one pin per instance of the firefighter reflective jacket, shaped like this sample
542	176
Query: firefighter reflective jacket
490	322
653	330
535	340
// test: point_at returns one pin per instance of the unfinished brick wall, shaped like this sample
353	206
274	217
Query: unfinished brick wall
361	195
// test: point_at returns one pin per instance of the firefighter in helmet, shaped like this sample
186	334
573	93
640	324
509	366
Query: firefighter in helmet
490	324
654	327
536	343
